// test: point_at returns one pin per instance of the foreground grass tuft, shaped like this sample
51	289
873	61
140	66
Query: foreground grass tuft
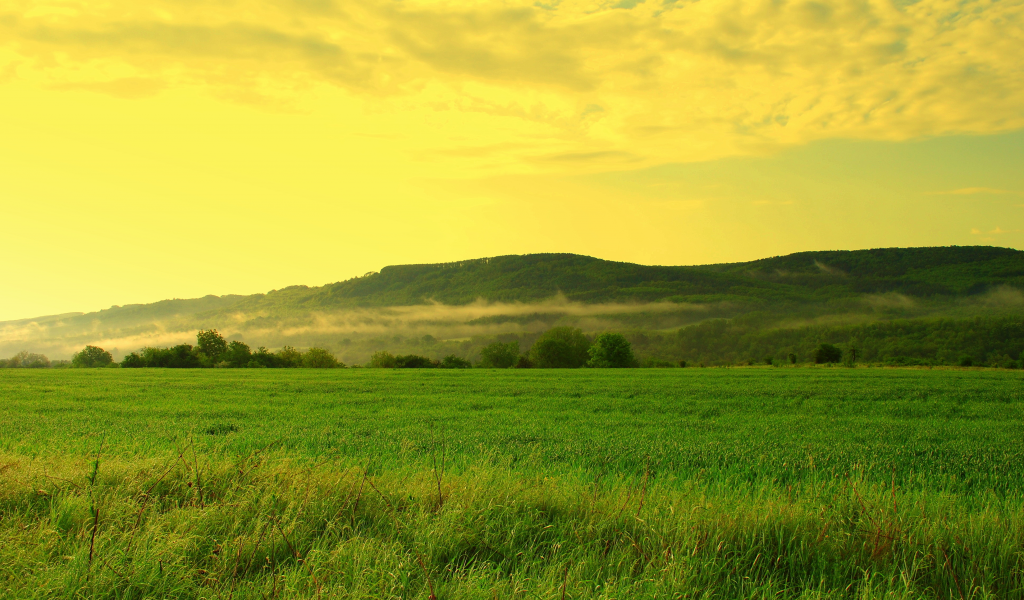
265	526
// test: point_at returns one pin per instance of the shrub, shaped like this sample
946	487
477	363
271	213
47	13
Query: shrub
561	348
91	356
263	358
454	362
132	361
181	356
382	360
237	355
827	353
413	361
27	360
523	362
211	345
611	350
320	358
289	357
499	356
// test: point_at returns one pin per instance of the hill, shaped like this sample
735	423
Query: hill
523	295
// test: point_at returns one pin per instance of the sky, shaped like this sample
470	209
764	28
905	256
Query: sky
176	148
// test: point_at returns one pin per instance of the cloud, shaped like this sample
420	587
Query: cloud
607	83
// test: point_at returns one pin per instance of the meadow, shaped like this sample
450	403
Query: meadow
369	483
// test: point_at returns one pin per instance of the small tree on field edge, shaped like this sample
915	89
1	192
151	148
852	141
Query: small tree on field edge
91	356
611	350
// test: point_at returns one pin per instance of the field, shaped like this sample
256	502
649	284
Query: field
359	483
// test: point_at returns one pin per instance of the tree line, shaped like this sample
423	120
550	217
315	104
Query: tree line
990	342
560	347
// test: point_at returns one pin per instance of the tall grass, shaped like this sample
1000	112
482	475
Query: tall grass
266	526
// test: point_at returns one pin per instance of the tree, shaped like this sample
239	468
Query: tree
561	348
827	353
289	358
91	356
28	360
499	356
319	358
132	361
211	344
383	360
262	358
413	361
454	362
611	350
237	355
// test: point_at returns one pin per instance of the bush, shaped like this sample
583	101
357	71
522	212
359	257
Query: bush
454	362
211	345
413	361
523	362
320	358
181	356
27	360
90	357
263	359
561	348
132	361
499	356
827	353
237	355
289	357
382	360
611	350
966	361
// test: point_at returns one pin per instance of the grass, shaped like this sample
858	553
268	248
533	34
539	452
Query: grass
697	483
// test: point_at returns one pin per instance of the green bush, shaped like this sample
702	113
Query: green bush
561	348
90	357
414	361
454	362
499	355
611	350
382	360
320	358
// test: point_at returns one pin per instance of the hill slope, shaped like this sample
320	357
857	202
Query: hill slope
525	294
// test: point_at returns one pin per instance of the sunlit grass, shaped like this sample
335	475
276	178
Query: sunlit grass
490	484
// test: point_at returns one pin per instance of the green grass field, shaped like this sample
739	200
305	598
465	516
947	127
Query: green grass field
675	483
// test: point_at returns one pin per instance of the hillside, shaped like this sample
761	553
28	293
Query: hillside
803	276
525	294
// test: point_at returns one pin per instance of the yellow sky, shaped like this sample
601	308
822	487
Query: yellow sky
155	149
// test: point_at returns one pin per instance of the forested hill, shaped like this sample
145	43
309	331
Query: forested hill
802	277
528	294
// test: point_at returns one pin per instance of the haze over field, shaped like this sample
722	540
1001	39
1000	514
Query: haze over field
459	307
162	149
